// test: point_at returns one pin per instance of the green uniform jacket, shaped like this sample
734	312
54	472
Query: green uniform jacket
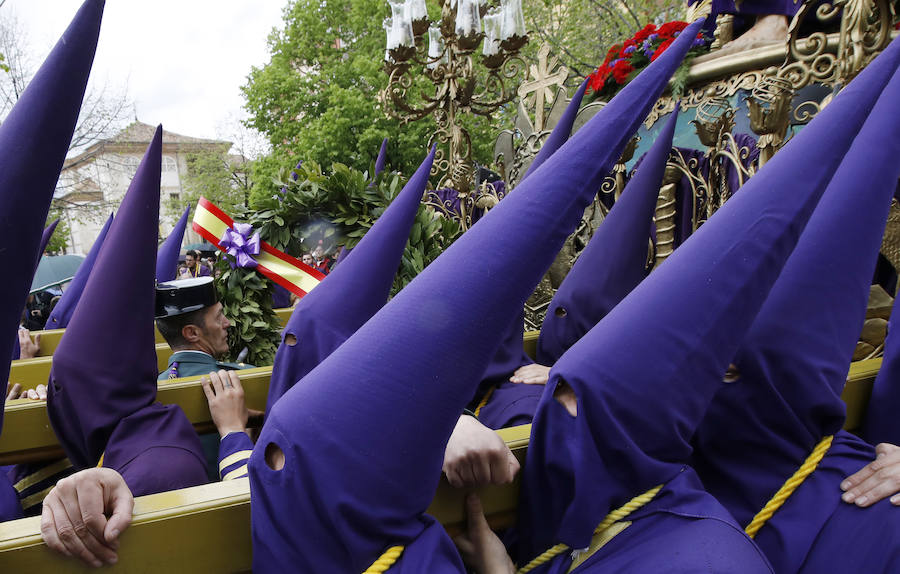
193	363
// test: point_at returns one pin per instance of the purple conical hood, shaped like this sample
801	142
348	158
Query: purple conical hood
45	237
64	309
614	261
793	363
382	158
561	131
510	355
167	255
89	393
399	383
351	293
645	375
34	139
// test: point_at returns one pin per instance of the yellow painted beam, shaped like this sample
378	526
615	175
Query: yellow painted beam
50	338
29	437
207	528
284	314
858	390
32	372
529	341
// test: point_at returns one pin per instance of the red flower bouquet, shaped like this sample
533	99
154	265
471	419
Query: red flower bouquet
623	61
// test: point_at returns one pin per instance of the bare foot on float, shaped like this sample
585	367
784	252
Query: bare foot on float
769	29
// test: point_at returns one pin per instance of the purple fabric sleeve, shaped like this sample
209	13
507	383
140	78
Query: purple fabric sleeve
163	468
234	452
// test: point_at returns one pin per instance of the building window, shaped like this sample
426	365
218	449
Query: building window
169	164
131	164
175	196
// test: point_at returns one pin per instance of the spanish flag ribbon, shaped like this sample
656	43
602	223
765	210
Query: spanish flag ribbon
212	223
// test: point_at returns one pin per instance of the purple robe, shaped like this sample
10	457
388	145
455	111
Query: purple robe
359	501
34	139
102	393
156	449
793	362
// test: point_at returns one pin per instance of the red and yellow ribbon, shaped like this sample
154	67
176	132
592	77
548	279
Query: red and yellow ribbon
211	222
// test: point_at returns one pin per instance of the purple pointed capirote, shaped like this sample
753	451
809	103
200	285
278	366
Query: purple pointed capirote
514	401
99	406
561	130
351	293
614	261
399	383
167	255
645	375
46	235
792	364
34	139
381	160
62	313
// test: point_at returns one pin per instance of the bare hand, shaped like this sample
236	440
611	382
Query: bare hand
877	480
28	349
476	455
532	374
39	393
13	391
74	520
479	547
226	401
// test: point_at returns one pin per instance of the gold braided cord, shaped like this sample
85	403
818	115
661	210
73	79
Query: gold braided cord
611	518
484	401
788	488
385	561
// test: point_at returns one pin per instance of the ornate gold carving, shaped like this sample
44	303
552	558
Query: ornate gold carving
698	10
770	114
724	32
890	244
864	31
665	215
538	90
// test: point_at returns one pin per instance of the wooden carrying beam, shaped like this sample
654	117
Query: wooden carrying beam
33	439
32	372
50	338
207	528
858	390
29	436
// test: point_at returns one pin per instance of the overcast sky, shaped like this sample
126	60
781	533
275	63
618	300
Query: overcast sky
183	61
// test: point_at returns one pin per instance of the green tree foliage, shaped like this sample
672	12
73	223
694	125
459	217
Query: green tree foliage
581	31
350	203
318	97
60	238
220	177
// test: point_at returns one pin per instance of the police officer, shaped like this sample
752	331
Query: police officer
191	320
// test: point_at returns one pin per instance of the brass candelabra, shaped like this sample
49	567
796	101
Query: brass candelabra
449	62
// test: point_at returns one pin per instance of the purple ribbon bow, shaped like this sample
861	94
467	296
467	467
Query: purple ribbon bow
239	243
